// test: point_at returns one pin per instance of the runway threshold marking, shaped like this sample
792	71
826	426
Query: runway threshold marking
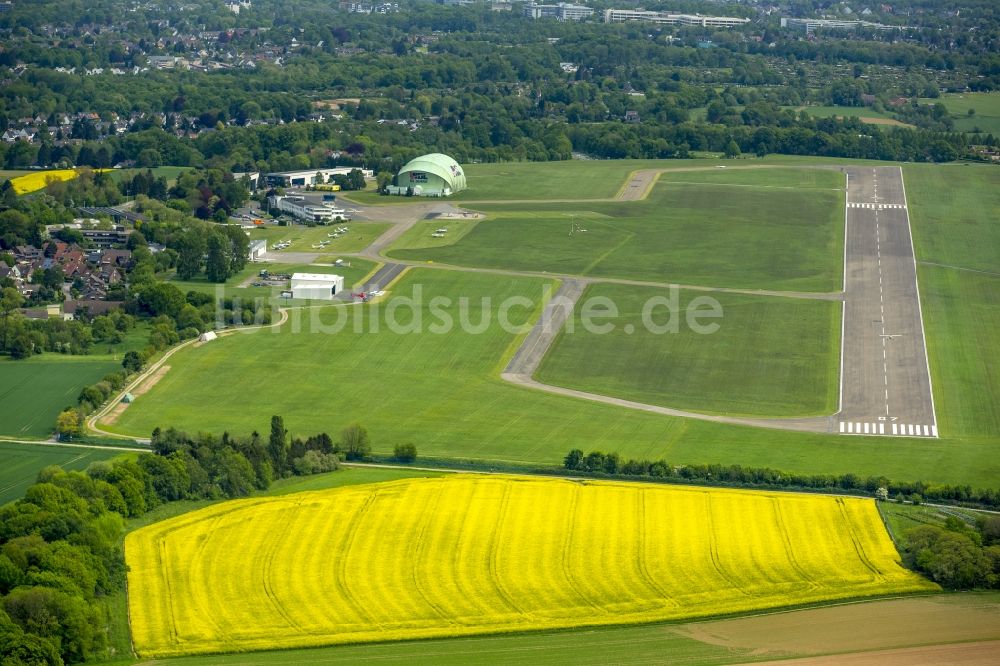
895	429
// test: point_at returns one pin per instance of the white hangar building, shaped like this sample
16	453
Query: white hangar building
316	286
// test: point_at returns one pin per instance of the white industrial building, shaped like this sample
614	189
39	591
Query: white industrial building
809	25
316	286
564	11
311	177
668	18
305	209
257	250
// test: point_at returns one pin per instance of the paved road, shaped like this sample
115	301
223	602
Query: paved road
384	276
885	382
529	355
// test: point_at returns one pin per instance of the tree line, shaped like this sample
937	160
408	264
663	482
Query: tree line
612	464
61	554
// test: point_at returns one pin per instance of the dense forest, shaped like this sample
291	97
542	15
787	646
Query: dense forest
305	84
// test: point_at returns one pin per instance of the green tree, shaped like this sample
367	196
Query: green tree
69	423
732	148
405	452
133	361
190	252
10	301
354	442
573	459
190	317
277	445
218	262
950	558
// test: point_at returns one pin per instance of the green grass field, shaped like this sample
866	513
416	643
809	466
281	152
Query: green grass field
799	179
986	105
168	172
307	239
33	391
421	234
22	462
954	211
7	174
714	234
443	393
901	517
769	357
354	271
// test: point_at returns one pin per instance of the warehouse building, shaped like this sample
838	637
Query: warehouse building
310	177
433	175
564	11
669	18
316	286
304	209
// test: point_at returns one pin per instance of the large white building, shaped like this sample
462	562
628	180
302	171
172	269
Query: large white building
316	286
809	25
308	178
667	18
564	11
433	175
305	209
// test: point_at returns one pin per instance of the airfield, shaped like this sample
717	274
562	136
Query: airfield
823	364
884	382
837	391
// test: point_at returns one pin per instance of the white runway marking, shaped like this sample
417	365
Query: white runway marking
874	206
897	429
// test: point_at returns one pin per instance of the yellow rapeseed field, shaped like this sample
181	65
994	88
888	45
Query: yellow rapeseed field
32	182
471	554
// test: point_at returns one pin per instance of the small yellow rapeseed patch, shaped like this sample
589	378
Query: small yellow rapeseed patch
468	554
32	182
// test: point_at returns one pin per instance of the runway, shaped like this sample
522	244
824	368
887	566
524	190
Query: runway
885	384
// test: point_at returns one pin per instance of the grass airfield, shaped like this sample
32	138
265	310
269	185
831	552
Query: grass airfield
407	390
770	356
713	232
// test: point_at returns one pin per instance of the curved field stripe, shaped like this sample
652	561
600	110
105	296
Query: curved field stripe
467	554
786	541
662	595
858	548
713	547
340	567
